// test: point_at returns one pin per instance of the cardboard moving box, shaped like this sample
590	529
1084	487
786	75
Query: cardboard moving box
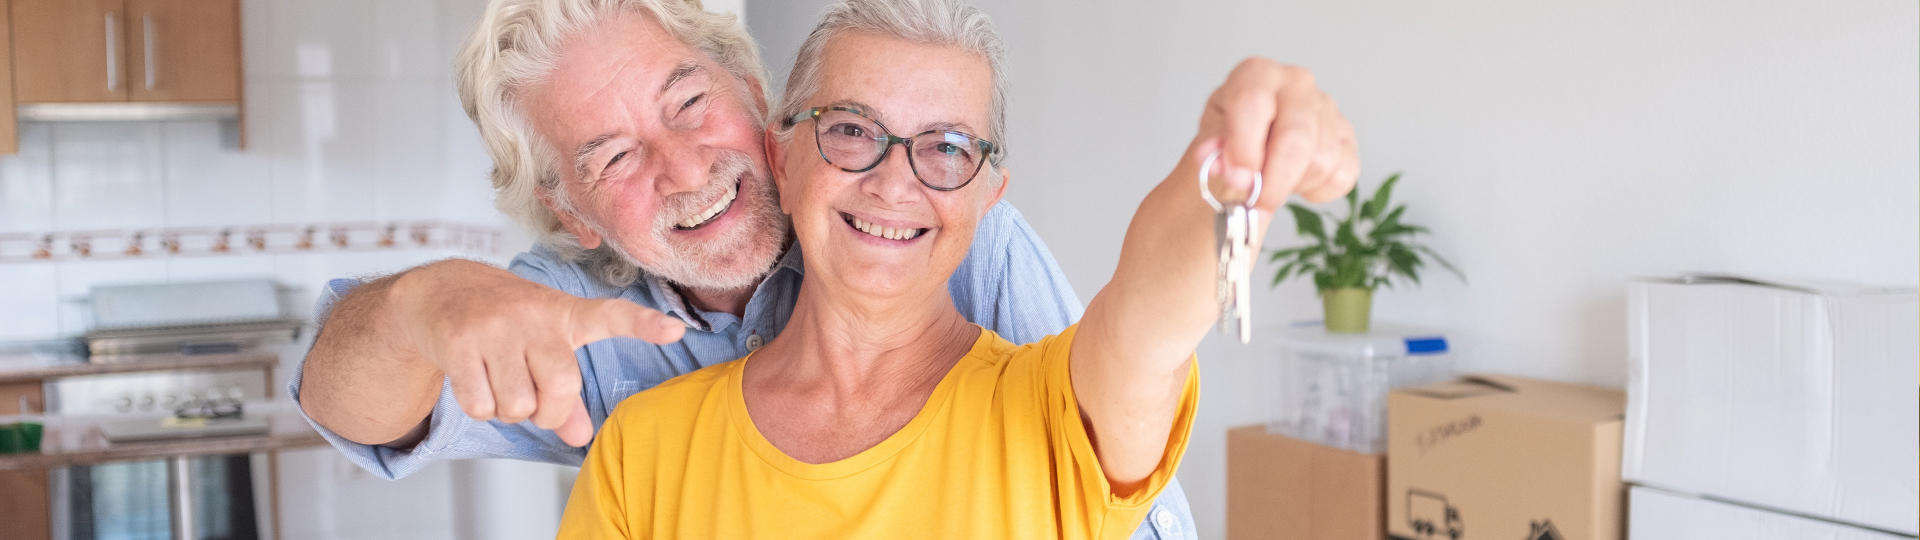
1660	515
1504	458
1282	488
1812	385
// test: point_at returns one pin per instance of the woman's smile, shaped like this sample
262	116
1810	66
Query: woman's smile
892	233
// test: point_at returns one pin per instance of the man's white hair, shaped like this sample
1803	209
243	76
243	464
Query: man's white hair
946	23
513	50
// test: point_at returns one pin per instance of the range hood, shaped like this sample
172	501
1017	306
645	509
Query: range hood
101	112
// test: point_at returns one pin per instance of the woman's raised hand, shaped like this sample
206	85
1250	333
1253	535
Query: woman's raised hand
1274	118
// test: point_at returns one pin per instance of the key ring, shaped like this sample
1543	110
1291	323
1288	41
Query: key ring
1208	193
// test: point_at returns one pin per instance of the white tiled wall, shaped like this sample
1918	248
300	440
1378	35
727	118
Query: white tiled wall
350	116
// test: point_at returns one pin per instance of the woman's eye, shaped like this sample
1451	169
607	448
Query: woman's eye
615	159
691	101
849	130
947	148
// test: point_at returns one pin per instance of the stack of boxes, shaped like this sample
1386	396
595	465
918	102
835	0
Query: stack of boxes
1317	470
1754	410
1374	439
1772	410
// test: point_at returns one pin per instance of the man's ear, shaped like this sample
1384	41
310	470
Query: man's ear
588	238
1006	175
776	164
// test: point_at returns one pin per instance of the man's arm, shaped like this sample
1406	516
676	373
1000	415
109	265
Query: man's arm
361	379
505	343
1129	359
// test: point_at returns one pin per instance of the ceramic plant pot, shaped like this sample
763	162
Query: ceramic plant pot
1348	310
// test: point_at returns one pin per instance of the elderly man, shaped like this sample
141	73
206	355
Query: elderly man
628	135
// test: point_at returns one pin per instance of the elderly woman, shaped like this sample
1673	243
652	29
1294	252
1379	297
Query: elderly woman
879	412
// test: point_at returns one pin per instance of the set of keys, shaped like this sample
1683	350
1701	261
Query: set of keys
1233	233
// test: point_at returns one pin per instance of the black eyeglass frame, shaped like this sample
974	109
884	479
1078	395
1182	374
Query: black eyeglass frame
989	152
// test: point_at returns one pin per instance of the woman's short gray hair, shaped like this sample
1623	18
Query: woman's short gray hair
948	23
514	48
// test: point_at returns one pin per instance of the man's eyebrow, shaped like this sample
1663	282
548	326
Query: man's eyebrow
685	69
585	153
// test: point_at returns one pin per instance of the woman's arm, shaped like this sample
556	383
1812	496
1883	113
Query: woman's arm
1129	358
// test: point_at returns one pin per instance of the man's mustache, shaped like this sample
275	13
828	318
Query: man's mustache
727	169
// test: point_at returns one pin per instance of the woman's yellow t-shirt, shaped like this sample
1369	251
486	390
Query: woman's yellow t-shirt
998	451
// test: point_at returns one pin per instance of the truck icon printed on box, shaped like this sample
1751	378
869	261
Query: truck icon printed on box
1429	515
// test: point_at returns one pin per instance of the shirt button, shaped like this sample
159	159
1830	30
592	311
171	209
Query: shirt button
754	342
1163	518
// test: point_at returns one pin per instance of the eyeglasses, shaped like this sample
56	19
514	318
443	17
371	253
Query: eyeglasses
943	160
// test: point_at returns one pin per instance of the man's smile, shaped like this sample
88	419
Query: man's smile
711	212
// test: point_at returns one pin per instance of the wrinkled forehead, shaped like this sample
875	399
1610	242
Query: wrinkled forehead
911	87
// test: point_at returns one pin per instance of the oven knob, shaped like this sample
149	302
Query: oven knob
125	404
146	402
236	394
169	401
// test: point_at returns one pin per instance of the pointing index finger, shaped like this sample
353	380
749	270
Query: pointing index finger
595	320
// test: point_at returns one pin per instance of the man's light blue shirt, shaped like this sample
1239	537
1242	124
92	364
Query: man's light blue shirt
1008	283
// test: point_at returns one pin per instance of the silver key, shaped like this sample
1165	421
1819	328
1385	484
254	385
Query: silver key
1233	232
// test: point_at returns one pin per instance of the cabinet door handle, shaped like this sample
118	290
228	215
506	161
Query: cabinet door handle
146	49
113	55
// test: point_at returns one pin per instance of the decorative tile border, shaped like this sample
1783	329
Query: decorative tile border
247	240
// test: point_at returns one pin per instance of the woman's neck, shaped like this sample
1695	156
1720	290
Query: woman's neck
842	377
855	344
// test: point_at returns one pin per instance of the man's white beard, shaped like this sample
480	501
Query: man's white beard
731	261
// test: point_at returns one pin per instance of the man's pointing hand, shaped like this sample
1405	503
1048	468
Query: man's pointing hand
507	344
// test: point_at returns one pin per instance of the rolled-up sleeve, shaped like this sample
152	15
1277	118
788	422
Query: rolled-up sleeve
451	433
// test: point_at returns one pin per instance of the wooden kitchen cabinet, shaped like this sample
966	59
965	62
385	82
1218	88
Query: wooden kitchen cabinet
9	129
14	395
190	50
23	493
118	60
141	51
69	51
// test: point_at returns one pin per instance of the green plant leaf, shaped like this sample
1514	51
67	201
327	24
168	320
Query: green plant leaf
1353	201
1404	261
1306	222
1380	198
1282	274
1389	225
1276	254
1347	240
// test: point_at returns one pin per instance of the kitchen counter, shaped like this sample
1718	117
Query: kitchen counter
79	440
31	367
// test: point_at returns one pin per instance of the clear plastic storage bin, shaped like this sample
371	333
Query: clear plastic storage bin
1333	387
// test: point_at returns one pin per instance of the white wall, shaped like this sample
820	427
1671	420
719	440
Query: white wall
350	115
1555	148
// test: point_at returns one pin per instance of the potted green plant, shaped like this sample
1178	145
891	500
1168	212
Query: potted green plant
1367	249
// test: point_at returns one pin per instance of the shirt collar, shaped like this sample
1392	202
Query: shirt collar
672	303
